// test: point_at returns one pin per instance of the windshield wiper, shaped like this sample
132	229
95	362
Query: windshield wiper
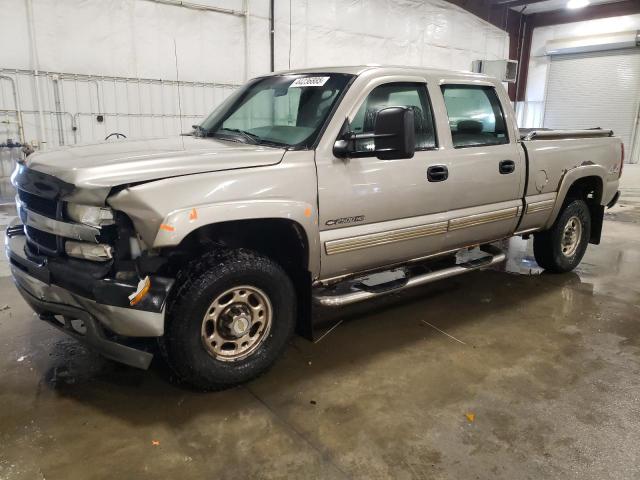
252	137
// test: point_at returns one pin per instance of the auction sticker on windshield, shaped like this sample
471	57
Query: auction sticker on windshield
309	82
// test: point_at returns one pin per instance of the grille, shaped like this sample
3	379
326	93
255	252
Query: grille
41	205
38	241
41	194
42	242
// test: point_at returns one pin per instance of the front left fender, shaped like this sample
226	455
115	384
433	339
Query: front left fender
177	225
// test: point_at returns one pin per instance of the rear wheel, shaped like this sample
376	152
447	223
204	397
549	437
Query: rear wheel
561	248
231	317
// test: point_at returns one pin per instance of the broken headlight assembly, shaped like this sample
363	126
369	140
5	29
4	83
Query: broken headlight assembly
96	252
96	217
90	215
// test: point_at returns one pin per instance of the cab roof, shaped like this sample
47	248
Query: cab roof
390	69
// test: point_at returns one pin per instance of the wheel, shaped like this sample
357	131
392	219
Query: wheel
231	317
561	248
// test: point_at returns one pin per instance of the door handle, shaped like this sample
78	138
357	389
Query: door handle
507	166
437	173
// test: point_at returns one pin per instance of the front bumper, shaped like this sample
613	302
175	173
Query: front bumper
100	321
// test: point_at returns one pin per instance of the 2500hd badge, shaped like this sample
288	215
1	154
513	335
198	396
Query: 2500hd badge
340	221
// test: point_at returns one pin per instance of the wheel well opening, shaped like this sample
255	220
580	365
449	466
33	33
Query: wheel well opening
590	190
279	239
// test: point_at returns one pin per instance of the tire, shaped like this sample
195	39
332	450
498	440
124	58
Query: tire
556	249
214	285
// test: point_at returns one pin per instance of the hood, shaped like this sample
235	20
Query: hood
109	164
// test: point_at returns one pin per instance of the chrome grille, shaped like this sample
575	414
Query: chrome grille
42	242
39	241
40	194
46	226
43	206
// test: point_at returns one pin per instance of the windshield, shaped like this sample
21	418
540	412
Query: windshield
281	110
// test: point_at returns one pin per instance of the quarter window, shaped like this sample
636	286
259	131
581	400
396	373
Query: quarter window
475	116
410	95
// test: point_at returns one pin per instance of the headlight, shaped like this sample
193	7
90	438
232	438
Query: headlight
90	215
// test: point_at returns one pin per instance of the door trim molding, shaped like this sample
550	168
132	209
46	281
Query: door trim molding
535	207
482	218
349	244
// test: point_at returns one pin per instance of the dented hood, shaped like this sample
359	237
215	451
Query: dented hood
109	164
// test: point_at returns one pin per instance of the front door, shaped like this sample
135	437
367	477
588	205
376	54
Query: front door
376	212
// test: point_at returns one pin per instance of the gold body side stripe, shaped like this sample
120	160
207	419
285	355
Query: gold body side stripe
536	207
482	218
350	244
375	239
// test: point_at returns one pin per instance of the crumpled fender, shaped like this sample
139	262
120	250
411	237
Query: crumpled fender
177	225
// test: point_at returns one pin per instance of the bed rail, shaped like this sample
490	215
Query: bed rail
544	134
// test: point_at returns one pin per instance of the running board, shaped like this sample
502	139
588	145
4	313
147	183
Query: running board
356	290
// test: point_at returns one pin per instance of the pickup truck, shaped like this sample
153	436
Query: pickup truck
311	187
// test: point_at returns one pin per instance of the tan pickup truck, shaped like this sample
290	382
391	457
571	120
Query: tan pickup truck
326	186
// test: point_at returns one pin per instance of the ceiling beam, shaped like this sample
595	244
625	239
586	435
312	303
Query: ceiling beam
496	15
592	12
515	3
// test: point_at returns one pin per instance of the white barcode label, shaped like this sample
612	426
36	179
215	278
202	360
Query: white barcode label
309	82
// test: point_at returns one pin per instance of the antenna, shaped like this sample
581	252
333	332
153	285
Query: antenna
175	54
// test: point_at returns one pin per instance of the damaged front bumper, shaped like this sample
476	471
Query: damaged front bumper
103	309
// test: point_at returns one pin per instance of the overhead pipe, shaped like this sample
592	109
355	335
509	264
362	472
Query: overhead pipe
36	64
272	32
245	23
94	78
199	6
58	104
16	102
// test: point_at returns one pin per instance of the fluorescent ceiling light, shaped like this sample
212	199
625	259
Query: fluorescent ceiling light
577	3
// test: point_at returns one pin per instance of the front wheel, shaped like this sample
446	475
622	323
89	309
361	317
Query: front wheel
231	317
561	248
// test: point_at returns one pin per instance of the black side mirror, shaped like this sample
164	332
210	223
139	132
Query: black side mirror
393	136
394	133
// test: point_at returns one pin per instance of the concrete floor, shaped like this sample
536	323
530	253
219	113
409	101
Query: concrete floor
497	374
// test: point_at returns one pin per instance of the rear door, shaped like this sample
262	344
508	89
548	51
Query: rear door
486	165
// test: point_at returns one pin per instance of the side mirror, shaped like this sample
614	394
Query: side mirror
394	133
393	136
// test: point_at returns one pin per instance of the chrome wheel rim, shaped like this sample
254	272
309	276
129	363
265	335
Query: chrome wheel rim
236	323
571	236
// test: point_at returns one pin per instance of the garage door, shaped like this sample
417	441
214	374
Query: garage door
596	89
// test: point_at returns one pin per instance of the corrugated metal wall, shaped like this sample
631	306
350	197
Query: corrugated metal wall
116	59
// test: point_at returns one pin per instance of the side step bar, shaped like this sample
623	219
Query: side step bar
358	292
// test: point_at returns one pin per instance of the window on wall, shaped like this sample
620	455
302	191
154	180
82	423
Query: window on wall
410	95
475	116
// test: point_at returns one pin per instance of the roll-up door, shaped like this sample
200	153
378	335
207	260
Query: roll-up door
596	89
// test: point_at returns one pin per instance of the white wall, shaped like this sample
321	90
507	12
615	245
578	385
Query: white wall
134	39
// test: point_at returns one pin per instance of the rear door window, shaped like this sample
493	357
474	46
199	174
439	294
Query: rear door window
476	118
